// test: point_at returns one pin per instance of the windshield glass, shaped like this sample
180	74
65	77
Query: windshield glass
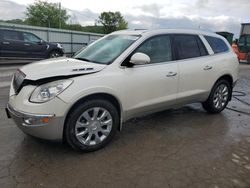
241	41
248	41
107	49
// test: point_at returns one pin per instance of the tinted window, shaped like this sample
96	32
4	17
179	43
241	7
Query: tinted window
241	41
186	46
157	48
11	35
217	44
247	41
28	37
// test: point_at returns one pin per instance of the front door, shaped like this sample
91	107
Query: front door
34	45
152	87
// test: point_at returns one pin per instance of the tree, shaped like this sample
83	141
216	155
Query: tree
45	14
14	21
112	21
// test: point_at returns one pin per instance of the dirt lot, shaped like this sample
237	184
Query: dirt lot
185	147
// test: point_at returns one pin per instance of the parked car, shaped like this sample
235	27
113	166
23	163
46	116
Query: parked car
123	75
27	45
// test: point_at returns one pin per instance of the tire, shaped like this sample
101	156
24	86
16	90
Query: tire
55	54
219	97
91	125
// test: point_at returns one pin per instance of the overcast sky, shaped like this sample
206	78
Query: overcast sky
214	15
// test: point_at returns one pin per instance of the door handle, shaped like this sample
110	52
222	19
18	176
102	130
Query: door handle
170	74
26	44
4	42
208	67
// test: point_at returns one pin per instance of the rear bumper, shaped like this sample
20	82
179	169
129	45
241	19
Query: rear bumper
244	57
45	126
243	61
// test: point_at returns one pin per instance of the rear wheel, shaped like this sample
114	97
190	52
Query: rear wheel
219	97
91	125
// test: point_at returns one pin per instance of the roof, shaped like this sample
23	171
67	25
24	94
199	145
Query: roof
163	31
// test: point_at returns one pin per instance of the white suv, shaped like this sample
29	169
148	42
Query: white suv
85	99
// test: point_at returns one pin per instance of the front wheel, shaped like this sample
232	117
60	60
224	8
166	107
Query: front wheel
54	54
91	125
219	97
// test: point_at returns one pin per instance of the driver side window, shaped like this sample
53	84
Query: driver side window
28	37
158	48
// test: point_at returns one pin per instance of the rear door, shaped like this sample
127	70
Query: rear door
192	56
34	45
219	60
12	44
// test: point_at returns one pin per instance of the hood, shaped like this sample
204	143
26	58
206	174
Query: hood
59	67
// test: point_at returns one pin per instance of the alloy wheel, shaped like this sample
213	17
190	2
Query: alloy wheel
54	54
93	126
220	97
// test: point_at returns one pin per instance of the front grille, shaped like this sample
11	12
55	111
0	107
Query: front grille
18	79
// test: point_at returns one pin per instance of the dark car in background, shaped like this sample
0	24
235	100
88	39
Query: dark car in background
27	45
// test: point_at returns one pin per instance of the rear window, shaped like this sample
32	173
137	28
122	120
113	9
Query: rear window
217	44
11	35
188	46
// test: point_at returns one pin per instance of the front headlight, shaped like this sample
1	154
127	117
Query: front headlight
46	92
59	45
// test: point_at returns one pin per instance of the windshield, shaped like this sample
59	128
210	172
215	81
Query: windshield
107	49
241	41
244	40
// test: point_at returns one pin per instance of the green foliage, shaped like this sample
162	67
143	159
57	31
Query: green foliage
14	21
93	29
76	27
112	21
90	28
45	14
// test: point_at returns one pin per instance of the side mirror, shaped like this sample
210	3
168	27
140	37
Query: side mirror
41	42
140	59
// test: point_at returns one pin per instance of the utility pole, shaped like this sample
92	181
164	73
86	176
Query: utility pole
60	24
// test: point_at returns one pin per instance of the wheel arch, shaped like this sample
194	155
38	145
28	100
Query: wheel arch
104	96
54	50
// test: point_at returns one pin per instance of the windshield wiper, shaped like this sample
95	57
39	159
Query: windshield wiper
83	59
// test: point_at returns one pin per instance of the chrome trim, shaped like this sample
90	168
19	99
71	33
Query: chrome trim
93	128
